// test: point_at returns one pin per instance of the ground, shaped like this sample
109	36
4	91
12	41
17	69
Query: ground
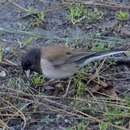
98	96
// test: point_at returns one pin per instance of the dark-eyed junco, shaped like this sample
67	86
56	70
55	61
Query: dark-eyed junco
59	62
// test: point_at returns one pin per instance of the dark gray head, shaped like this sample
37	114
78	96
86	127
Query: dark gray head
31	60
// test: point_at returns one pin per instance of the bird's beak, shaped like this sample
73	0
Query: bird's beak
27	73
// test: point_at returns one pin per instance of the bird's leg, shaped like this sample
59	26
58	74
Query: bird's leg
67	89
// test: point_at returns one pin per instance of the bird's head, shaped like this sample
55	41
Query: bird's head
31	60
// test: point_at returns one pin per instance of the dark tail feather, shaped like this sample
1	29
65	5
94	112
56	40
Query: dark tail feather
101	55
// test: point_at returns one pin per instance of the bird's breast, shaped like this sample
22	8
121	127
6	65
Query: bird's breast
60	72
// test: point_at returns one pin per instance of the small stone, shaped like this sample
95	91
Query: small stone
2	74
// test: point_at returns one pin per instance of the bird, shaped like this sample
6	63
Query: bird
60	62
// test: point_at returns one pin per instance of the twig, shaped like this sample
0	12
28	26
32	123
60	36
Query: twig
18	112
67	89
17	5
101	4
8	62
97	72
21	32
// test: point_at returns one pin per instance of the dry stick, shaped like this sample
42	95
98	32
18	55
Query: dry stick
116	73
8	62
99	121
128	114
21	32
111	97
26	10
45	112
18	111
97	71
18	6
115	79
52	97
83	115
93	118
102	4
67	89
83	100
49	107
41	96
53	81
4	125
60	105
115	6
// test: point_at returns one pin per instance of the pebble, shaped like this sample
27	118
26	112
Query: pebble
2	74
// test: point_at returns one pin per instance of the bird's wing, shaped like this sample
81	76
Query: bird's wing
57	55
79	57
73	58
63	55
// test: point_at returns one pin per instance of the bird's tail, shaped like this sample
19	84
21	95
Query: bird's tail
101	55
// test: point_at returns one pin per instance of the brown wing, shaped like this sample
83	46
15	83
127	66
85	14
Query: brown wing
60	55
56	54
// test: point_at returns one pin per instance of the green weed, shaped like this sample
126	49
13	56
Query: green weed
93	16
103	126
39	19
76	13
39	16
80	86
27	41
37	80
122	16
113	115
99	47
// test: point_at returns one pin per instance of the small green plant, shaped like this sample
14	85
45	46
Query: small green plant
33	11
113	115
27	41
76	13
103	126
37	80
80	86
122	16
94	15
39	16
99	47
39	19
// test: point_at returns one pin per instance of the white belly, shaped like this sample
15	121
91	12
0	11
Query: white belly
60	72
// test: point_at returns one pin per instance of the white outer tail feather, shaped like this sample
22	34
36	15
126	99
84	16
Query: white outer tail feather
100	57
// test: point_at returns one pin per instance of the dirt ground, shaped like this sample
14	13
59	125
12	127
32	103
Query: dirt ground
98	96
